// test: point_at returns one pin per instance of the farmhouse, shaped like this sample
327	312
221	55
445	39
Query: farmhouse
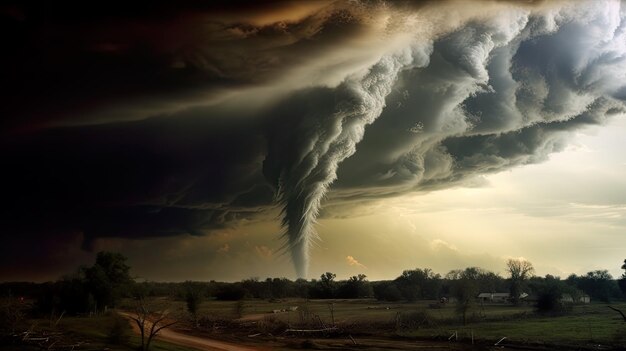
498	297
584	298
494	297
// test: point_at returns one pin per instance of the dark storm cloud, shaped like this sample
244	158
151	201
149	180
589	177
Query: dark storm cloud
107	62
149	178
122	122
481	154
505	99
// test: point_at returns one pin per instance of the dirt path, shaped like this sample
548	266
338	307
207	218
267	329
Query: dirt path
196	342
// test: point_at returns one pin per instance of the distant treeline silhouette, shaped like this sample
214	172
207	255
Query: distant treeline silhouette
101	286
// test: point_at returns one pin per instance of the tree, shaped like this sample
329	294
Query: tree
107	278
549	291
99	286
387	291
149	326
599	284
491	282
301	288
355	287
114	266
622	281
327	284
89	289
229	292
279	287
255	288
193	298
74	296
520	271
419	283
464	288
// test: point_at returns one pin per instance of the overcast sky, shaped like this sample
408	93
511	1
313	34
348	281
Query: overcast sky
232	140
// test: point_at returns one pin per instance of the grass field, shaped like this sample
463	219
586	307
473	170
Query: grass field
584	325
344	311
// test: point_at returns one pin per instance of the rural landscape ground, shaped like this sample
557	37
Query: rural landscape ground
102	307
255	324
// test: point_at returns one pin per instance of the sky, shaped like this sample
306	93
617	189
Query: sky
229	140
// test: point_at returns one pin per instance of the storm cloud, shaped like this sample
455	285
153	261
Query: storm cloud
123	122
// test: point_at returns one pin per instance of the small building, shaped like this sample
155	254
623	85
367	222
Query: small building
498	297
494	297
567	298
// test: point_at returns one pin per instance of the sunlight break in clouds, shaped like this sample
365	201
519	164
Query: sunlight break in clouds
264	252
353	262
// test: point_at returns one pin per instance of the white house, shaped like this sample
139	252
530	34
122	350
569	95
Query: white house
498	297
581	299
494	297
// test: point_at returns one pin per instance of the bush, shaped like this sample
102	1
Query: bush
193	298
414	320
239	308
549	302
271	325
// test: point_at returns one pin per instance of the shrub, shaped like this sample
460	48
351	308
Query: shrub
271	325
549	302
414	320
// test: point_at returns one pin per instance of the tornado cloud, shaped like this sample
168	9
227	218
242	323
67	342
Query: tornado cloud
459	91
359	100
199	119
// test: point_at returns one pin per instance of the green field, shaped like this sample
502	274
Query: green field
585	325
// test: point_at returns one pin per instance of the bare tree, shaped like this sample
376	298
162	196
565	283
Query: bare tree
520	270
150	324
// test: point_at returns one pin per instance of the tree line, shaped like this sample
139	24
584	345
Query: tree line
102	285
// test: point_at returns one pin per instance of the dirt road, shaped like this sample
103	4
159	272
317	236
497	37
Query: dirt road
196	342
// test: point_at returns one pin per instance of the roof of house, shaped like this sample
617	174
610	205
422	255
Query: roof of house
492	295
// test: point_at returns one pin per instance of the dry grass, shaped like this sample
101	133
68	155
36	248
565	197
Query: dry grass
586	324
